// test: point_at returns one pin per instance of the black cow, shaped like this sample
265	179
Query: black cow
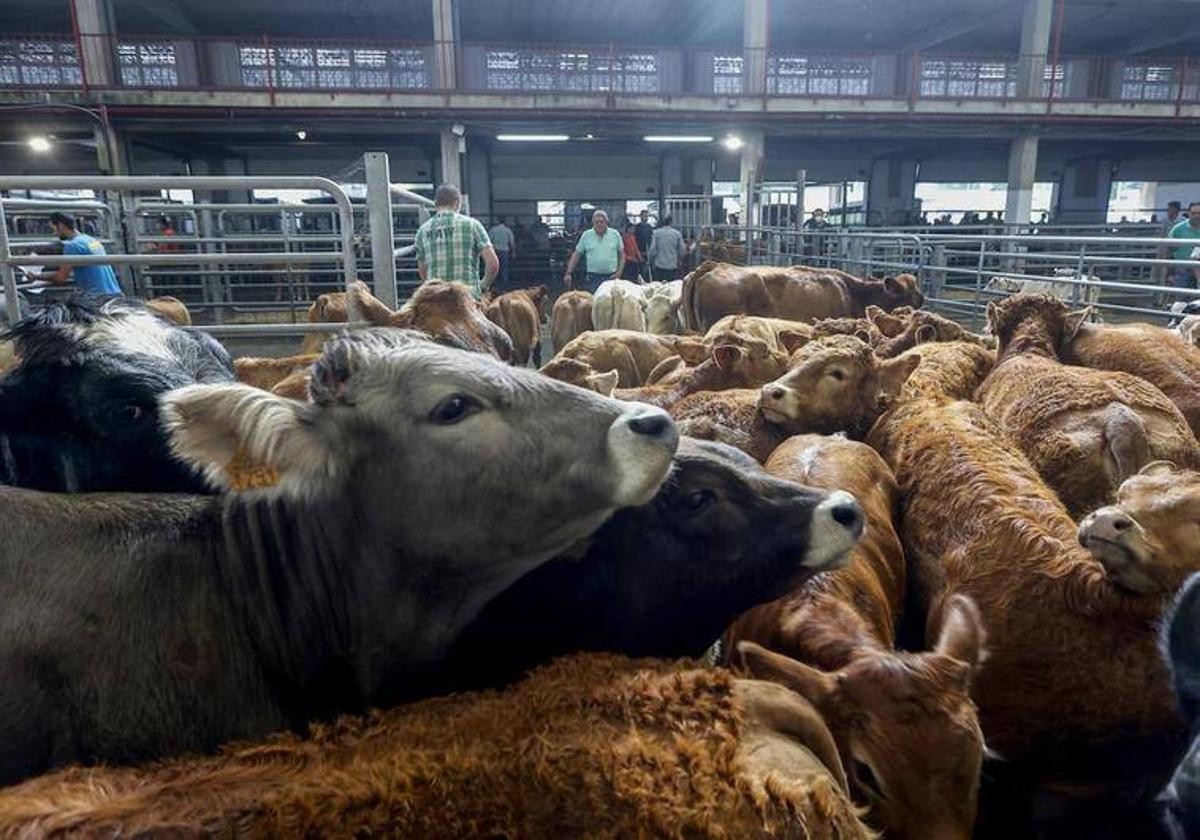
1181	643
80	412
420	482
666	578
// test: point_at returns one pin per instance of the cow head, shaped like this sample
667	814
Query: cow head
1150	538
447	312
922	327
581	375
748	363
901	290
905	725
861	328
835	384
1189	329
80	412
662	314
1032	321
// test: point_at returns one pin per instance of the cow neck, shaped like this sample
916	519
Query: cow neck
834	634
288	566
1032	335
864	293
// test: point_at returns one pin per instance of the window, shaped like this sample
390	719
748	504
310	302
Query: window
334	68
1158	83
573	70
39	64
727	74
968	79
804	75
147	65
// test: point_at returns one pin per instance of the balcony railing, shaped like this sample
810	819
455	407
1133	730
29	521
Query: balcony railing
127	62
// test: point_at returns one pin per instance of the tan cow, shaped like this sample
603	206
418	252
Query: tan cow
953	369
571	316
781	333
286	377
333	307
715	289
904	722
630	353
581	375
730	417
519	313
1085	431
728	366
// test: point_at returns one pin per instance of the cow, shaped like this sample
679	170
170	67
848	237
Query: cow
663	301
80	414
1159	356
953	369
140	626
665	579
619	305
1180	801
334	307
714	290
1147	537
593	745
1189	330
747	364
780	333
1084	431
519	314
920	327
581	375
1063	287
832	378
731	417
630	353
571	316
905	722
1073	694
287	376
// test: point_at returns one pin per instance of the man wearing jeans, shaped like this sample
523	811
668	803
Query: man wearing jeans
603	254
505	244
1188	230
666	250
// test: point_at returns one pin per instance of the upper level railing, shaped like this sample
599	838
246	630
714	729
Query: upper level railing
47	62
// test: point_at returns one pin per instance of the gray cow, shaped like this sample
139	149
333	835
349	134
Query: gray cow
420	482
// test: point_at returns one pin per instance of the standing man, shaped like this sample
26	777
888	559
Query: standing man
94	279
666	250
450	244
505	243
603	254
643	232
1188	229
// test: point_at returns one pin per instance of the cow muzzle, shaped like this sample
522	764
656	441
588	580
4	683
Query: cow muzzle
837	525
641	445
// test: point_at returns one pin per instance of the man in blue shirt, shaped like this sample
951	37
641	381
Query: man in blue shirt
94	279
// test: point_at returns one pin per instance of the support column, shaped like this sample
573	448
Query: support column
379	216
891	191
749	176
1035	46
445	44
1022	166
112	152
754	46
95	22
478	183
1083	192
670	178
452	148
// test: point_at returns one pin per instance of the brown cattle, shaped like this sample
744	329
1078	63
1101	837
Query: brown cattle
447	312
728	366
593	746
171	308
1149	539
581	375
780	333
861	328
518	313
1085	431
831	379
1074	692
731	417
287	377
919	327
631	354
571	316
333	307
714	290
953	369
1160	356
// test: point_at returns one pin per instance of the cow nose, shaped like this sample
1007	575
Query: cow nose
1105	524
1121	523
773	393
652	423
846	515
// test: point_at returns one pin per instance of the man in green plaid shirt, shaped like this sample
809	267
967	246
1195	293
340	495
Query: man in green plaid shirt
450	244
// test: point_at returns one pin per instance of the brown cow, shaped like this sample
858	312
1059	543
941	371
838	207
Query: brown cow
518	313
581	375
631	354
953	369
333	307
171	308
728	366
1160	356
1149	539
571	316
1084	431
831	379
1074	691
286	377
447	312
780	333
731	417
919	327
714	290
861	328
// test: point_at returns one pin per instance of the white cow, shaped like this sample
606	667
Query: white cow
619	305
1189	329
662	307
1059	288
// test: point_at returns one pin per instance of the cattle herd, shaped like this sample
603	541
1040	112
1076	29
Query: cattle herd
766	552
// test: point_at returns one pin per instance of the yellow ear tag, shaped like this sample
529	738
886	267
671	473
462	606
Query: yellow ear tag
245	474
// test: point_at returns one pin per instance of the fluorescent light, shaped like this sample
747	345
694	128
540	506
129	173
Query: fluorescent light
733	142
533	138
302	134
590	137
677	138
39	143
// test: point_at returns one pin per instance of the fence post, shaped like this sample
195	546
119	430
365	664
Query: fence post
11	304
379	217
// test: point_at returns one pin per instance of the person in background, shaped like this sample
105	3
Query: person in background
634	261
666	250
97	279
643	231
450	245
816	220
505	243
603	254
1187	229
1174	217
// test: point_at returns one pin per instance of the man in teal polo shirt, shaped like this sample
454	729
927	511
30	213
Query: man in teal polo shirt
1189	228
604	254
94	279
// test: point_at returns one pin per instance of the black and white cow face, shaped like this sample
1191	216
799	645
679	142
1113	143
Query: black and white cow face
80	411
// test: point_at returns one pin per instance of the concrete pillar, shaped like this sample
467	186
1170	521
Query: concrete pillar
479	182
1022	165
754	46
891	191
378	176
112	152
1035	46
445	43
97	24
750	172
451	168
1083	192
670	176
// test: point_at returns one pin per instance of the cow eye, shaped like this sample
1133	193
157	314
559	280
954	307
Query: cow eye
698	500
453	409
866	777
132	412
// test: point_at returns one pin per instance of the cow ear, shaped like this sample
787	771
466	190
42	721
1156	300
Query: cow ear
893	373
817	687
993	318
962	635
926	333
1073	321
792	340
1181	639
1158	469
727	355
370	308
603	383
227	431
892	285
